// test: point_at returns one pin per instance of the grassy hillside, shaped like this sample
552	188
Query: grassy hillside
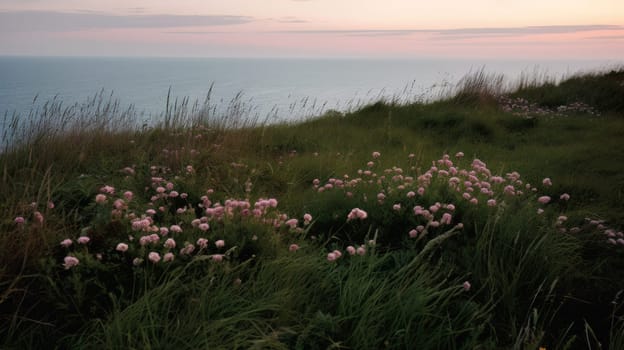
489	219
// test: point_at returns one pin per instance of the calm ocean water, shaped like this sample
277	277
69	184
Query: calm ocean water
284	88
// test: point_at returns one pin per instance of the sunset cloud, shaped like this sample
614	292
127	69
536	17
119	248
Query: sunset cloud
49	21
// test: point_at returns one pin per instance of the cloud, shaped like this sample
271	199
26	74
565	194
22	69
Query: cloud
28	21
463	33
606	37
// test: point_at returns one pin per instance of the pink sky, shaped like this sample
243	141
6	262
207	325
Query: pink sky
586	29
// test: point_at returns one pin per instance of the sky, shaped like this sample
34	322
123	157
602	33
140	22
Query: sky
542	29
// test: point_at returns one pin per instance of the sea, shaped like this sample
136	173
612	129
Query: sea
278	89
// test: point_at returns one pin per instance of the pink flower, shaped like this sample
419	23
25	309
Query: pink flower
331	257
540	211
547	182
202	243
128	195
411	194
446	219
292	223
175	228
220	243
307	218
108	189
121	247
204	226
370	164
70	261
466	285
357	213
413	233
170	243
173	194
19	220
351	250
168	257
491	202
293	248
376	155
361	251
100	199
396	207
217	257
83	239
188	249
543	199
153	257
66	243
459	154
564	197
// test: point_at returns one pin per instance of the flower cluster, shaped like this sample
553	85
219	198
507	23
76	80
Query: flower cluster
524	108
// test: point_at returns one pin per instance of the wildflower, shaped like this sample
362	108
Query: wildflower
547	182
19	220
307	218
396	207
202	243
459	154
540	211
544	199
413	233
370	164
66	243
50	205
121	247
351	250
376	155
411	194
331	257
128	195
217	257
466	285
174	194
564	197
100	199
83	240
175	228
220	243
491	202
170	243
446	219
357	213
38	217
154	257
188	249
108	189
168	257
293	248
204	226
361	251
292	223
70	261
137	261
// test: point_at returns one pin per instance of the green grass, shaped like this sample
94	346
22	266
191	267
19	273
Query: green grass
532	285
